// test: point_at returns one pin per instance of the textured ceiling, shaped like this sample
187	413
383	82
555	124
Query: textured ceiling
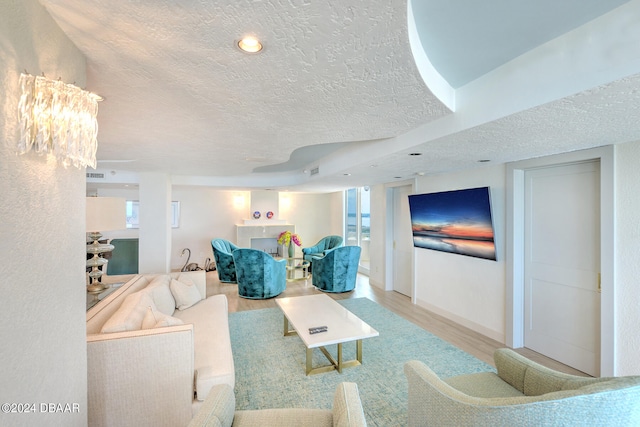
336	86
182	98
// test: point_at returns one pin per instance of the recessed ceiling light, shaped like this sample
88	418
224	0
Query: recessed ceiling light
415	154
250	44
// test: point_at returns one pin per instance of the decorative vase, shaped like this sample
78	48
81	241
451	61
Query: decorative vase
291	250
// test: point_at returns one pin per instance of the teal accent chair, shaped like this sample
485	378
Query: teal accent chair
521	393
337	270
222	253
259	275
320	249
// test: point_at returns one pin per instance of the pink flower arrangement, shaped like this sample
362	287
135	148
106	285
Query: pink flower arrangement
286	237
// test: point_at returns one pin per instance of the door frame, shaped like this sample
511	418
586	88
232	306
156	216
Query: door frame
514	331
389	238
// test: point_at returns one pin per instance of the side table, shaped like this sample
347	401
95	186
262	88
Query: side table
297	269
93	299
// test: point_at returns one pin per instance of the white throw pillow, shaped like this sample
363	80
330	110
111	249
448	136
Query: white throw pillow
157	319
168	321
186	294
149	320
186	279
130	314
161	294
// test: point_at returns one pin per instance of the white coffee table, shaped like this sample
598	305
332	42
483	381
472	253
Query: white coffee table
342	326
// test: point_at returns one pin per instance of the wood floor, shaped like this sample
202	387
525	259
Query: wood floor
460	336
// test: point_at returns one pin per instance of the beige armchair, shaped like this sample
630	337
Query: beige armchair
218	410
522	393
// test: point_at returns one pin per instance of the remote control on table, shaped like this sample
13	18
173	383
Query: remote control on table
317	329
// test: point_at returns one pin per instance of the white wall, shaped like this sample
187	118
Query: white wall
314	215
127	194
378	208
627	250
470	291
42	244
155	223
207	213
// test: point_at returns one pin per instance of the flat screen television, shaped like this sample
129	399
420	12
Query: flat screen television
456	221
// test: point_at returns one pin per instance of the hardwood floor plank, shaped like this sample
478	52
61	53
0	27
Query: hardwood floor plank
464	338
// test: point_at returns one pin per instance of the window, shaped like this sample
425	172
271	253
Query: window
133	218
358	222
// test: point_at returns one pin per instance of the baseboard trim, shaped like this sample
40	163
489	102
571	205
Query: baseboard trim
494	335
377	284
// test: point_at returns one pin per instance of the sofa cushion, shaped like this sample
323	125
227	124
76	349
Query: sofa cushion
611	383
576	383
542	381
156	319
130	314
213	359
168	321
185	293
161	294
293	417
482	384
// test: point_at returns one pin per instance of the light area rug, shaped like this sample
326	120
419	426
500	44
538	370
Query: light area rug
270	368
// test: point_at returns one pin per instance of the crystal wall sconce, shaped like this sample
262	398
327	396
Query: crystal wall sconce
59	119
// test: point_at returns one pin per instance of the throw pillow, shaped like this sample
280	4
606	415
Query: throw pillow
168	321
161	294
157	319
130	314
185	294
149	320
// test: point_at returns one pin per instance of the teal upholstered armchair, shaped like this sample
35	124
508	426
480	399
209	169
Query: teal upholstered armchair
320	248
337	270
259	276
222	253
521	393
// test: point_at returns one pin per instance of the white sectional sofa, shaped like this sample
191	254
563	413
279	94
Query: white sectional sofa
155	348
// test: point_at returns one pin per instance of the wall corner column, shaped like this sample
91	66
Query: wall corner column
155	223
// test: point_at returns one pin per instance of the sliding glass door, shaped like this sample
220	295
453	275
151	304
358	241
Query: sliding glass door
358	223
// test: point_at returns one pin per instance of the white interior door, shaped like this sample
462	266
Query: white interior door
562	264
402	242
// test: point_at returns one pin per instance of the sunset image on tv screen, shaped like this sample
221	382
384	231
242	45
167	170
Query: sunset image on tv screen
454	221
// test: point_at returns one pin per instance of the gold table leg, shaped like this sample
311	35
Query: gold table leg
287	331
335	364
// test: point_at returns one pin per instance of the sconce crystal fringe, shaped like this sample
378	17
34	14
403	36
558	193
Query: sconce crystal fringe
59	119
